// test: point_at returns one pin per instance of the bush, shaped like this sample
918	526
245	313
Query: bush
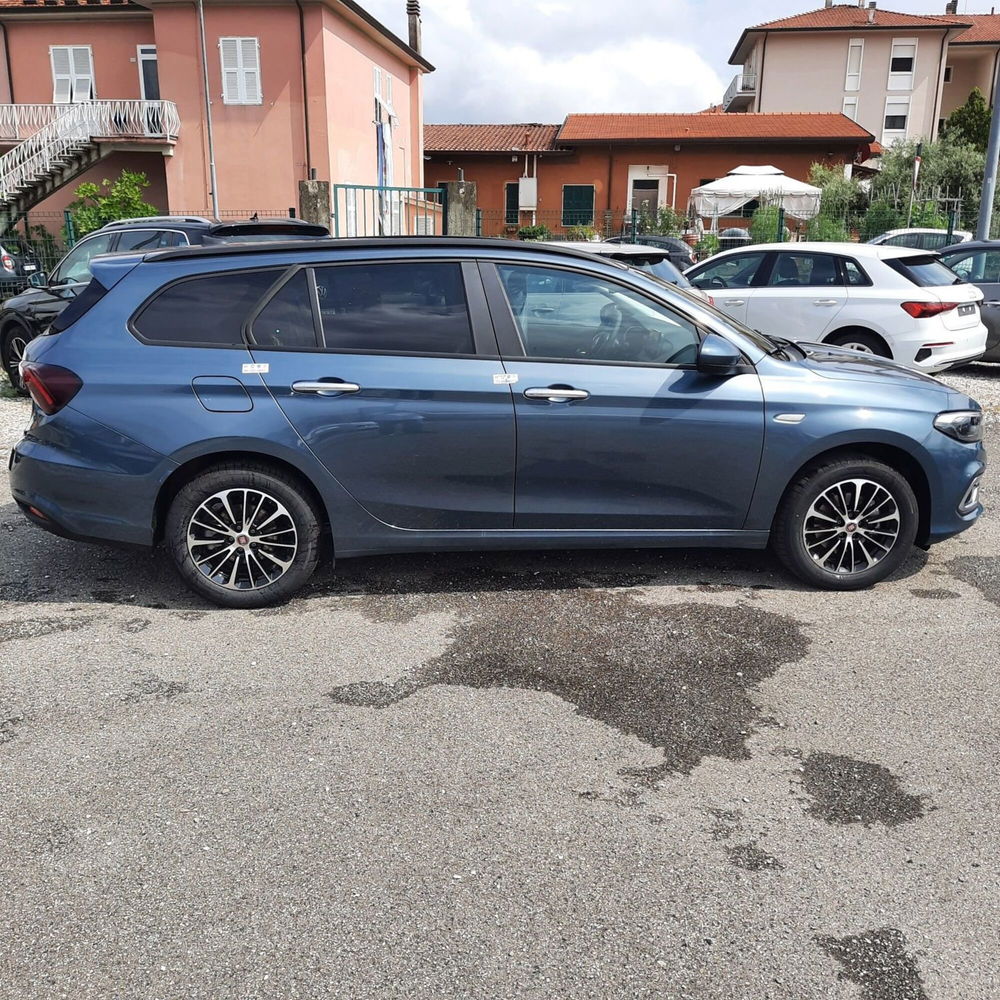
539	232
586	233
764	225
707	245
823	229
98	204
666	222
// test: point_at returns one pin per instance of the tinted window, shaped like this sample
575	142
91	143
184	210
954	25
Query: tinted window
75	265
412	308
982	267
578	317
806	270
287	319
928	272
208	310
730	272
854	274
148	239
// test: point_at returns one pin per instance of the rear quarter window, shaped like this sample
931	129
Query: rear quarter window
926	271
204	311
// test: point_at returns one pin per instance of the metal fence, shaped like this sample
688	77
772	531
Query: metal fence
377	210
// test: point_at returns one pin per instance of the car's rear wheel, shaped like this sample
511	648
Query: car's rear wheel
244	536
12	345
861	341
846	524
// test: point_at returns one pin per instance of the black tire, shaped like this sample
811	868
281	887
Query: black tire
10	351
861	341
294	524
867	539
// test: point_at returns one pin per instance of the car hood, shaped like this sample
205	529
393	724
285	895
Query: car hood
25	298
840	363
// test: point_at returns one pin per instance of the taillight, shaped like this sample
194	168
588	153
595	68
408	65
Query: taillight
921	310
51	387
7	261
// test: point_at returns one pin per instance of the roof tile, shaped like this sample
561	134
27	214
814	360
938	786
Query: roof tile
528	138
985	30
852	16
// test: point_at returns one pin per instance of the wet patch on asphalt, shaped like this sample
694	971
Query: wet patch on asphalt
842	790
678	677
936	594
879	963
155	688
748	855
8	728
133	625
981	572
32	628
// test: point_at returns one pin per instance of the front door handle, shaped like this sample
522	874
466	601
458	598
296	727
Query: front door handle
734	302
557	393
824	302
326	388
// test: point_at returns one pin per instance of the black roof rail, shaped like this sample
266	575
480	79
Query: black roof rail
442	243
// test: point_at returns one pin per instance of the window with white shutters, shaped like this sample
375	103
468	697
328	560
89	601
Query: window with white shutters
240	71
855	56
72	73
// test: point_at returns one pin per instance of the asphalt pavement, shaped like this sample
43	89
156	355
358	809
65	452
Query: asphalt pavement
598	774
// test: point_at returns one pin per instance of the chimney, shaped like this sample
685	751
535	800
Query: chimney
413	21
871	12
951	7
828	3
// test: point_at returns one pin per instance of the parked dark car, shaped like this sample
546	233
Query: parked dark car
253	407
18	262
978	262
27	314
730	239
681	255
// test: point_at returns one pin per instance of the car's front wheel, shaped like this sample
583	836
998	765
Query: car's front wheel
861	341
846	523
244	536
12	345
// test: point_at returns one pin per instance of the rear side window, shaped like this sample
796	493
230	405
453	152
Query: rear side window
209	311
853	273
287	319
83	303
927	272
149	239
406	308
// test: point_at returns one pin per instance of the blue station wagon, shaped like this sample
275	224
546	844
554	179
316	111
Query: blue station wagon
244	404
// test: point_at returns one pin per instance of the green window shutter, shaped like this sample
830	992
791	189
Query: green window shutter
578	205
511	215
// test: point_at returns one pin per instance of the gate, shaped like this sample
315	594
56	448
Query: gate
376	210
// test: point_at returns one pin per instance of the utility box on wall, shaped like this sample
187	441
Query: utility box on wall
527	194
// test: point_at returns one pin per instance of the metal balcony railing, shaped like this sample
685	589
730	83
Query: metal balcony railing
744	83
50	133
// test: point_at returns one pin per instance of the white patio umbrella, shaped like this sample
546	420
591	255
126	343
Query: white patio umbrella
745	184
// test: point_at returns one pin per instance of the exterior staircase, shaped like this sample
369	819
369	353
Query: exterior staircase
56	143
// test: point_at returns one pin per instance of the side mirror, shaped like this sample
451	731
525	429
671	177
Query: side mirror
38	280
716	356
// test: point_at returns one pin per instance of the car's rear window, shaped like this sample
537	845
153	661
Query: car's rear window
926	271
208	310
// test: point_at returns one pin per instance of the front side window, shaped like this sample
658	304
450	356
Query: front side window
804	270
208	310
730	272
72	73
901	63
578	205
240	71
75	266
565	315
982	267
417	307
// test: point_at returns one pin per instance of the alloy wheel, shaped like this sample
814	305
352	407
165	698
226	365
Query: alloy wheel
851	526
853	345
242	539
16	348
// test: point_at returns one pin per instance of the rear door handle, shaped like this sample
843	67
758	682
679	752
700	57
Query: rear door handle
734	302
326	388
557	394
824	302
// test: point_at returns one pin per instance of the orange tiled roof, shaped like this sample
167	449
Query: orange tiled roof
530	138
711	127
852	16
985	30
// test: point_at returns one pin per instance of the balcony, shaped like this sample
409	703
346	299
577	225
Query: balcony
741	92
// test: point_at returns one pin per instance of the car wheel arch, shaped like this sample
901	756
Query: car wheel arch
856	329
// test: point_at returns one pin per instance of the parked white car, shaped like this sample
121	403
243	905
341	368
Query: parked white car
898	303
921	239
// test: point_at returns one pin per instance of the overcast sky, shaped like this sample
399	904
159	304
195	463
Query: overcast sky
539	60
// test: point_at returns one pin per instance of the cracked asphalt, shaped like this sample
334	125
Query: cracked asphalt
625	774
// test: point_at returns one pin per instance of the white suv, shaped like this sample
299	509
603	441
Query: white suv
899	303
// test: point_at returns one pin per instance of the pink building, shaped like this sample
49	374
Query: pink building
260	95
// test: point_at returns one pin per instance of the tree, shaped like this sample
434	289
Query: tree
96	205
970	123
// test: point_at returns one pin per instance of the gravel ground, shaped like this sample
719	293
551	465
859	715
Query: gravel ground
664	775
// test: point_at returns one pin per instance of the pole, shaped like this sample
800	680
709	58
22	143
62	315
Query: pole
213	179
913	186
780	235
992	156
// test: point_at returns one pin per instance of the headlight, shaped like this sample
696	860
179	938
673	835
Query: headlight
962	425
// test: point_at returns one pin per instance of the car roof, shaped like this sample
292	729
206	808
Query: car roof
612	249
442	243
854	249
197	223
902	232
971	245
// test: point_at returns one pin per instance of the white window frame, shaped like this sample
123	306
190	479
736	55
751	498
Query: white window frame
889	136
902	81
850	108
852	81
75	91
237	91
